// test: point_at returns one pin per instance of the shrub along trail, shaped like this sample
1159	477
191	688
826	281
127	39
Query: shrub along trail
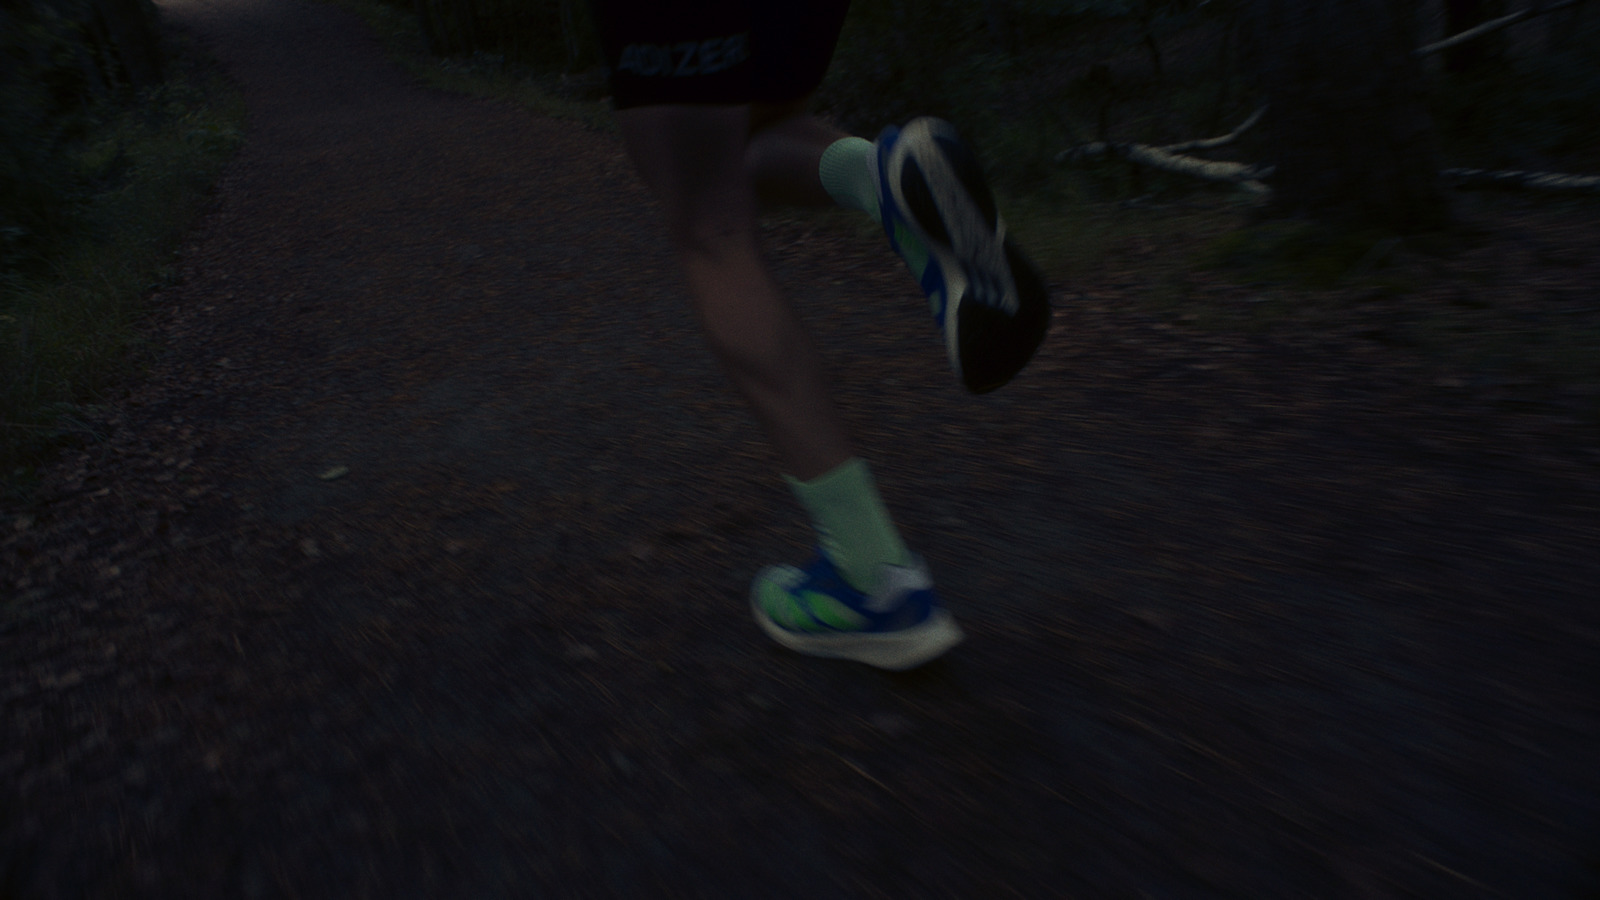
416	567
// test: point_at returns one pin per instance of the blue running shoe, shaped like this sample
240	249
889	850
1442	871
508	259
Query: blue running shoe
816	612
988	298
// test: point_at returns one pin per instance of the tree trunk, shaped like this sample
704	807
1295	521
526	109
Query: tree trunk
1352	139
997	18
430	29
125	40
1481	53
445	25
131	26
571	38
1146	16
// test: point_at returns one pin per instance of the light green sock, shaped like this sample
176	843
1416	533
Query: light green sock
851	522
846	172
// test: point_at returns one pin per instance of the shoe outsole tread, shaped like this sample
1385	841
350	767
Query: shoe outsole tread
997	309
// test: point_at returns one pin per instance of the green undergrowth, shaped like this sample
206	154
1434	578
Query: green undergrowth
1303	254
68	319
1428	295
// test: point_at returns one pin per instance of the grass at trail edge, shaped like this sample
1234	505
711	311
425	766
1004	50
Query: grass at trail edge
69	326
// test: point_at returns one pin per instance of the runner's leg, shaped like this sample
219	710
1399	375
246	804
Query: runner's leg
797	159
692	157
865	598
784	155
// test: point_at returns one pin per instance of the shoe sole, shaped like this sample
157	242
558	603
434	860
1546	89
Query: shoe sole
896	651
997	307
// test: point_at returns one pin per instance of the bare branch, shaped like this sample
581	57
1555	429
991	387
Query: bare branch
1536	181
1245	176
1213	143
1085	153
1491	25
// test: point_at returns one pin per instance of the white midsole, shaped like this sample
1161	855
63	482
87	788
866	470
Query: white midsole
898	650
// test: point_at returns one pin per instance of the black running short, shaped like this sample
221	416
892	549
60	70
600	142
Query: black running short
716	51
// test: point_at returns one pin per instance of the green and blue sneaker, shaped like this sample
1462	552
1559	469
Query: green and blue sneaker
815	611
988	298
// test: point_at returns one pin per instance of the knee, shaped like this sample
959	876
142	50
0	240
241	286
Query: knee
711	224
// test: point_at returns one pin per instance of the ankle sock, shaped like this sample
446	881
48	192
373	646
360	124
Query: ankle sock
847	175
852	523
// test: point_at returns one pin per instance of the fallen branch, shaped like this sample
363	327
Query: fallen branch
1172	158
1246	176
1469	179
1251	178
1491	25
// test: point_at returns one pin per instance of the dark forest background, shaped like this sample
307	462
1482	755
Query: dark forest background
110	129
1026	79
1030	78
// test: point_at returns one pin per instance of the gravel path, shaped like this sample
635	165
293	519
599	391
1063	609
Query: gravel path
416	565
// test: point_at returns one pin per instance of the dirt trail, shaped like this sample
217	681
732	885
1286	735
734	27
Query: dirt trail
1264	620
